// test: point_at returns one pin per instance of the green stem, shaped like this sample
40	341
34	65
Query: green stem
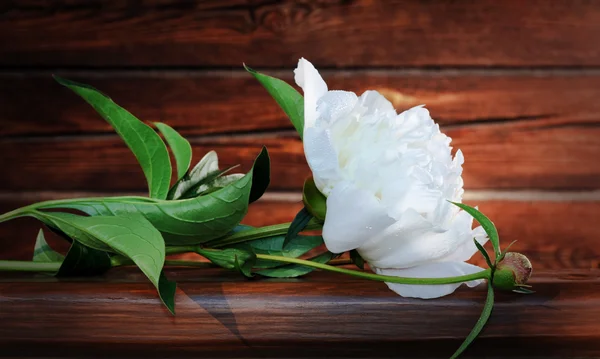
484	274
181	263
28	266
257	233
340	262
181	249
119	260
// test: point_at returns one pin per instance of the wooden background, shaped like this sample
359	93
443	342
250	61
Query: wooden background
514	83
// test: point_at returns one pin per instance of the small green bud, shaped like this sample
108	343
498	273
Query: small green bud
314	201
512	271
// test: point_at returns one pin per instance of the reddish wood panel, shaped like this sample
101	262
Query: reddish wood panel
553	235
324	315
204	102
331	33
498	155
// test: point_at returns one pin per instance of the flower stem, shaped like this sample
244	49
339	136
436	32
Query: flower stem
484	274
257	233
119	260
29	266
181	249
181	263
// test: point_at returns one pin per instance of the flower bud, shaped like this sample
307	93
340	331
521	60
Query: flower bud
314	201
512	271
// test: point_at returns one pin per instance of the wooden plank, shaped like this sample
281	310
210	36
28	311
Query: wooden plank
331	33
220	314
205	102
554	235
498	155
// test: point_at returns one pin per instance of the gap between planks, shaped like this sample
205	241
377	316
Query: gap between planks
294	197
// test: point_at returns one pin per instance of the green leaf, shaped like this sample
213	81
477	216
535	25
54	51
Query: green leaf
209	164
262	176
42	251
485	315
82	261
132	236
181	148
231	258
144	142
297	247
166	292
314	201
204	178
79	261
217	183
182	222
298	224
488	226
295	270
484	253
290	100
357	259
245	266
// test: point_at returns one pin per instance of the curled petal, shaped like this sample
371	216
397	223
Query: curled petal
353	216
313	86
430	270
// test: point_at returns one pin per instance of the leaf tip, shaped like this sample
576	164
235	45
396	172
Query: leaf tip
264	152
63	81
248	68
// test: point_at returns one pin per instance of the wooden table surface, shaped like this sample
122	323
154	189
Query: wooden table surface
220	314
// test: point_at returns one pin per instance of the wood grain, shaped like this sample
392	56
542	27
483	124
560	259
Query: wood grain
498	155
277	33
209	102
554	235
221	314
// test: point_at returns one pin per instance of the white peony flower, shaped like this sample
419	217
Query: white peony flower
387	179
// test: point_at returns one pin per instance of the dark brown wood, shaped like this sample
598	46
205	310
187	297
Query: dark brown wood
277	33
323	315
554	235
503	155
205	102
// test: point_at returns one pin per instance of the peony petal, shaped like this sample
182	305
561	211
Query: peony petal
353	216
322	158
466	250
411	241
463	222
313	86
430	270
376	104
334	106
